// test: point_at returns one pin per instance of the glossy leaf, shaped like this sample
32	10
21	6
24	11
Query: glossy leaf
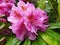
39	41
41	4
50	4
2	41
2	25
58	11
18	43
27	42
54	25
53	34
12	41
51	37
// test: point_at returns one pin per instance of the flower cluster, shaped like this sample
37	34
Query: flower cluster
27	20
7	1
5	8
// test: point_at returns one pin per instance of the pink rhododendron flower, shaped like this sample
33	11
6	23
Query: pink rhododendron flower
27	20
7	1
5	8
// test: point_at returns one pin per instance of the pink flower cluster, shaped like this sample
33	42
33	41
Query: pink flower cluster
5	8
7	1
27	20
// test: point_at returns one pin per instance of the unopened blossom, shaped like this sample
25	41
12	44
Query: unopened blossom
27	20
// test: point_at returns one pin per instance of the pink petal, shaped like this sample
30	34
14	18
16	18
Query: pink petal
31	36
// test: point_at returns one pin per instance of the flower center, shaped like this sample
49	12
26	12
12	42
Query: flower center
23	8
6	1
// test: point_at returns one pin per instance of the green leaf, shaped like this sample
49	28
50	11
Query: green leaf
53	4
50	40
18	43
39	41
50	4
53	34
27	42
12	41
51	37
58	19
54	25
2	41
2	25
41	4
